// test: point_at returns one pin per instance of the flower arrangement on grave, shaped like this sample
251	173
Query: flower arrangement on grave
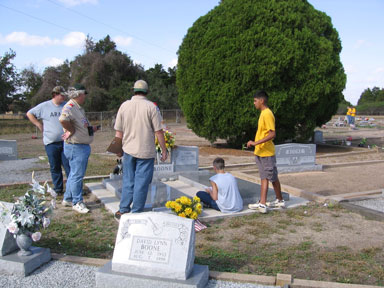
169	141
185	207
30	213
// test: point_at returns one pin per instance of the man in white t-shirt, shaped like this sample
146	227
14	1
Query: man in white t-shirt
49	112
224	194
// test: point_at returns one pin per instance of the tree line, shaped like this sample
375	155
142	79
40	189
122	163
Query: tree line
108	74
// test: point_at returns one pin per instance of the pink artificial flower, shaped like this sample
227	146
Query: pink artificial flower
12	227
36	236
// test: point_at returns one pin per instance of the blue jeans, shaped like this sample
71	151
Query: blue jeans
137	175
56	158
77	155
207	199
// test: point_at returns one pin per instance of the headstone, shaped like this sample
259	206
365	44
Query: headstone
186	158
7	241
318	137
8	150
155	247
295	157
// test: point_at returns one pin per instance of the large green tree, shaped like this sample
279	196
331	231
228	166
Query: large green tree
285	47
8	80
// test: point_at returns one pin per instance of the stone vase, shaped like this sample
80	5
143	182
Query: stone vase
24	242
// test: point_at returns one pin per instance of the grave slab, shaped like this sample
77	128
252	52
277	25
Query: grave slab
155	244
13	264
106	277
7	241
250	192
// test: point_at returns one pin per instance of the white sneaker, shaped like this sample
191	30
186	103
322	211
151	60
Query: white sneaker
80	207
276	204
259	207
66	203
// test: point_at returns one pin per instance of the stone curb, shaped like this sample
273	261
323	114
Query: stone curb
364	211
280	279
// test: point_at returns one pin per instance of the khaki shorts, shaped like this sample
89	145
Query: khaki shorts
267	167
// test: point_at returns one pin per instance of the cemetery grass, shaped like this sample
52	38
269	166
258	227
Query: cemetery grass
313	242
316	242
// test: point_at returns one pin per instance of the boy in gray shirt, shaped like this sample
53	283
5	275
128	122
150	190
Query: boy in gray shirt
49	112
224	194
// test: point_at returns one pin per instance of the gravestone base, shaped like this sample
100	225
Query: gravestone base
106	277
12	264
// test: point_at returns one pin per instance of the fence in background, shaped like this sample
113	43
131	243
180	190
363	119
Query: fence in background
106	119
19	123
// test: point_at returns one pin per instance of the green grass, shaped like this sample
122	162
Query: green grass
11	193
254	244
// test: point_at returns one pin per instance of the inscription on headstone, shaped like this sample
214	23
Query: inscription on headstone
150	249
155	244
8	150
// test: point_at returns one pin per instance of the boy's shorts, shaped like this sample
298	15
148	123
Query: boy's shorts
267	167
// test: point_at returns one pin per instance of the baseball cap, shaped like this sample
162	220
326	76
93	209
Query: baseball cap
59	90
140	86
80	87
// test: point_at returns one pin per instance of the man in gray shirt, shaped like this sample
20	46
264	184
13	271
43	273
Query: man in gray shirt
49	112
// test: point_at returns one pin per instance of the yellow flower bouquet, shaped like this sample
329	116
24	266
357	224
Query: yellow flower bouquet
185	207
169	141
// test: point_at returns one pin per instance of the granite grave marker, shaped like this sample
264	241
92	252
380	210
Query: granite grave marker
294	157
155	247
8	150
7	241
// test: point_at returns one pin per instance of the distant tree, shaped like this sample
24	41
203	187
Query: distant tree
162	86
104	71
89	45
371	101
104	46
52	76
287	48
343	106
8	80
375	94
30	82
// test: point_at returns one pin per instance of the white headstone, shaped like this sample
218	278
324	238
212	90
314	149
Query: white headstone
7	241
155	244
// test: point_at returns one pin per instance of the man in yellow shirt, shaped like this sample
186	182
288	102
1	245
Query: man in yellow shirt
265	154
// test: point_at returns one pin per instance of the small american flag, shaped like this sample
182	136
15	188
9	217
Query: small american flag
199	226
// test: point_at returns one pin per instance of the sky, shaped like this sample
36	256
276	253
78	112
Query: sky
47	32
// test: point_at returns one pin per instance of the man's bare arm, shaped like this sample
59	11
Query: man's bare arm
34	121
